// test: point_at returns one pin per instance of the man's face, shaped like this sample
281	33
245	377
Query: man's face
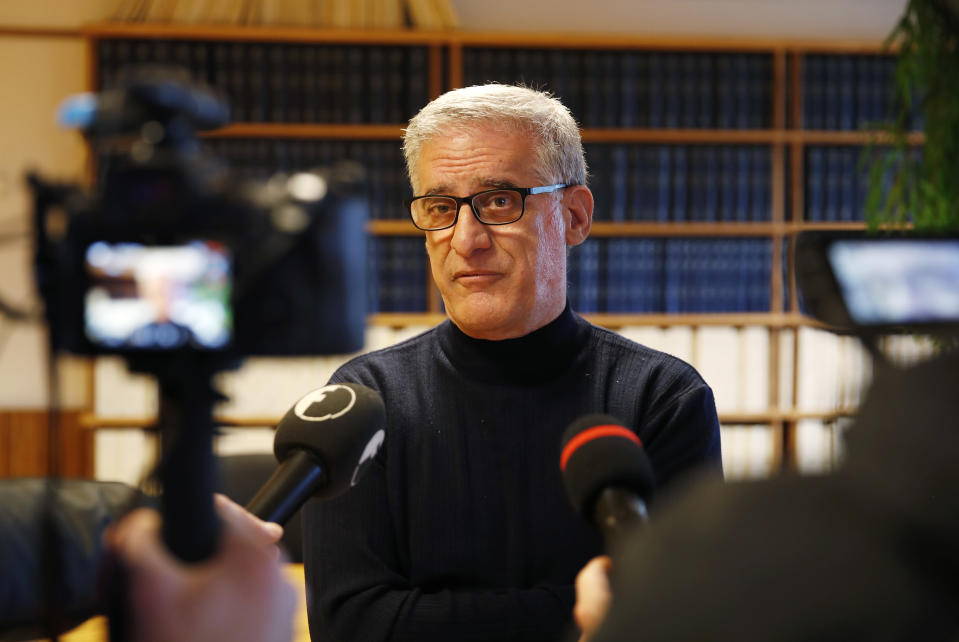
501	281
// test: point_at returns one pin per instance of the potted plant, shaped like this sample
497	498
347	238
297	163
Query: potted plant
909	184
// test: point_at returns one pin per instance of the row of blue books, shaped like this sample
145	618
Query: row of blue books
258	159
837	181
638	88
836	184
659	183
670	183
672	275
396	274
849	92
282	82
627	276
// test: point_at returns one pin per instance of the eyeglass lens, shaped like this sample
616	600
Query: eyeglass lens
496	207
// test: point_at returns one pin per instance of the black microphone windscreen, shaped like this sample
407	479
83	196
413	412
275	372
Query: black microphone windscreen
598	452
340	425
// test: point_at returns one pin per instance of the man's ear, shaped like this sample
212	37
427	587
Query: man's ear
578	206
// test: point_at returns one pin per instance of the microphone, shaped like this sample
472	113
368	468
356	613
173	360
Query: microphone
607	475
324	444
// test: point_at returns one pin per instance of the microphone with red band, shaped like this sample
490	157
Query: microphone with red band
608	477
324	443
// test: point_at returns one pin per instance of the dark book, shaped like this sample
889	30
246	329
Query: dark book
725	92
743	172
593	95
629	90
680	176
609	85
831	95
395	85
711	183
357	95
672	90
636	188
742	93
815	183
760	180
618	184
833	183
847	93
664	186
727	183
417	75
689	89
260	90
705	91
310	97
697	182
277	65
657	85
813	99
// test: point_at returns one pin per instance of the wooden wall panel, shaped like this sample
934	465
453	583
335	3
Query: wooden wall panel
24	445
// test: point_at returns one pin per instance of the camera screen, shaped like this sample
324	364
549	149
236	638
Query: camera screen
898	281
158	297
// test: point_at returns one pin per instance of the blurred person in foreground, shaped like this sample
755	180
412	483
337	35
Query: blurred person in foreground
461	529
240	594
869	552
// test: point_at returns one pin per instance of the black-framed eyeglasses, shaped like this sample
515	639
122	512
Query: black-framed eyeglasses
490	207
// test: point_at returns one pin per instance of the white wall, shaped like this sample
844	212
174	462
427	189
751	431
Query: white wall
815	19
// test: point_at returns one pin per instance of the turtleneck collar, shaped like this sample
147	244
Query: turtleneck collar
536	357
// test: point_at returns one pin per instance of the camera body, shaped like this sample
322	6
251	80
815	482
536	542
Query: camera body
871	284
170	253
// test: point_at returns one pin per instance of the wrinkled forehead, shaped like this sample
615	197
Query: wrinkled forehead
466	143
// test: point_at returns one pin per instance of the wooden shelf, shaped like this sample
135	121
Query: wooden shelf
739	319
815	137
90	421
251	33
347	131
691	228
475	38
308	131
686	136
610	229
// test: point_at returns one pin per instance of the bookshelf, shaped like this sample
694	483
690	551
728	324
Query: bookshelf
711	155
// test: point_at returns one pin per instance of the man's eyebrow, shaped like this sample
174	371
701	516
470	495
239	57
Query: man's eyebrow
488	183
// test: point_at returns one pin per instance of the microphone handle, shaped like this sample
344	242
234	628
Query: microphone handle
292	483
616	512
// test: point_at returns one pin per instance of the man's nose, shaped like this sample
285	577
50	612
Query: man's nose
469	234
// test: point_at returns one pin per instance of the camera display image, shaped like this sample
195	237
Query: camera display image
898	281
158	297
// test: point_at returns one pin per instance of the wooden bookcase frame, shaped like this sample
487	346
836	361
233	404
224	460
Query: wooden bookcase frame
445	61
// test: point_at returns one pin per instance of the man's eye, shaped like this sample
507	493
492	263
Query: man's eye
439	208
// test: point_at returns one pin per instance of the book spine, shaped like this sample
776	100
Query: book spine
743	173
619	174
657	85
628	90
706	90
664	183
815	182
680	184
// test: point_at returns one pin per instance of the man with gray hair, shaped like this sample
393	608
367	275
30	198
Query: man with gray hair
461	529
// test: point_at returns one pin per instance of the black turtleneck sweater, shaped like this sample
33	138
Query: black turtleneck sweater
462	530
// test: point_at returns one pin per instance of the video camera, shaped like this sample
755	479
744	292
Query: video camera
884	283
170	253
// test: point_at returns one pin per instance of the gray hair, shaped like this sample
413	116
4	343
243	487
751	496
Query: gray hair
559	149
